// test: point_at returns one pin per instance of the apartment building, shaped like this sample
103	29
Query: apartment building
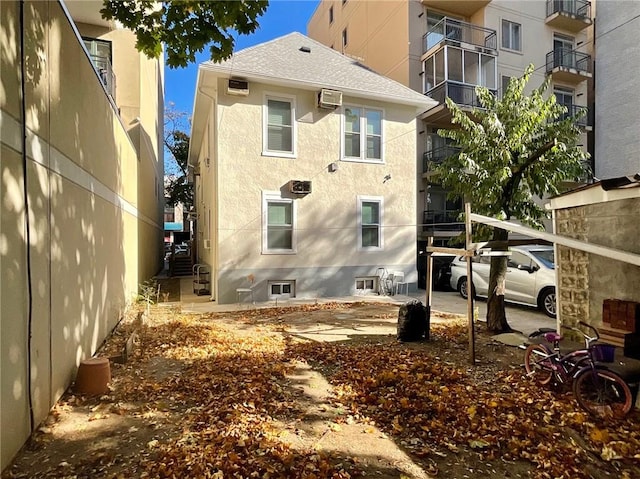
304	173
81	116
445	48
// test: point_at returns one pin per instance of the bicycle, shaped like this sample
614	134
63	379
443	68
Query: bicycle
598	390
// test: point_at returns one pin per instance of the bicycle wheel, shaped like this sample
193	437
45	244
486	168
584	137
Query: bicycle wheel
538	364
602	393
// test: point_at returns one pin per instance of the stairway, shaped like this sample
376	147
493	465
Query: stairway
180	265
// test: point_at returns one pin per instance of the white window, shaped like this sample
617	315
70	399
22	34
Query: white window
370	215
511	36
281	289
367	284
362	134
278	224
279	126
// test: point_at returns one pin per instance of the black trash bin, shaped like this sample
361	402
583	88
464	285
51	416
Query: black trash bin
413	322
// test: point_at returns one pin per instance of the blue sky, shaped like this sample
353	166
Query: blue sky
281	17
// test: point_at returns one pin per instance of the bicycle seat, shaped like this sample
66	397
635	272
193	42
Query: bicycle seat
552	337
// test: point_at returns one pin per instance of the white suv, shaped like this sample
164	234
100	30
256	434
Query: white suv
531	277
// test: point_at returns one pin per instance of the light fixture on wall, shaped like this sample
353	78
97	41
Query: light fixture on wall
386	178
207	161
333	167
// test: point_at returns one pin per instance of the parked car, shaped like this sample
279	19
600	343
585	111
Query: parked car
530	277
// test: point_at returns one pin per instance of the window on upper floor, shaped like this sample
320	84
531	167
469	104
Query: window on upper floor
330	15
504	84
511	36
362	134
370	215
278	224
279	126
100	53
344	38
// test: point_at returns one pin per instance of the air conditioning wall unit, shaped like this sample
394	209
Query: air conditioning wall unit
206	244
329	99
300	187
237	87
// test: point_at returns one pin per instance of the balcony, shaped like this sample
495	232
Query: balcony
461	94
456	32
435	156
445	222
569	65
464	8
571	15
105	72
583	122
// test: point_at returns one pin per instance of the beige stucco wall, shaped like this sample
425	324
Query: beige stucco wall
85	224
326	218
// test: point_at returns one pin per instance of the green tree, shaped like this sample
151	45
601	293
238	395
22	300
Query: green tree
514	151
176	145
186	27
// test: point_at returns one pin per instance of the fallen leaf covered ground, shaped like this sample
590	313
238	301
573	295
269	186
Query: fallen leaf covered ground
216	396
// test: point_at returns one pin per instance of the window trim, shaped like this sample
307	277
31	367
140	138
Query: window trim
291	99
290	282
502	40
371	199
364	279
276	197
363	135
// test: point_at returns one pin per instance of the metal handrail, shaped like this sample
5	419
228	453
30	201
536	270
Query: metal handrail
567	58
578	8
442	220
105	72
456	30
435	156
460	93
573	111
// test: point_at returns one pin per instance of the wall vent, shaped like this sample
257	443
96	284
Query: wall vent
329	99
299	187
237	87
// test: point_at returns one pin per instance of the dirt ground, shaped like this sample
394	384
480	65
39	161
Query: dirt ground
319	391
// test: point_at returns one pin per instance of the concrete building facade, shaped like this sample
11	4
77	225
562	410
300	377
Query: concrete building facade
82	168
445	48
304	173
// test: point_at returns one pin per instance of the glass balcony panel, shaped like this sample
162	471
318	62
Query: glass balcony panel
578	8
471	67
439	66
454	62
488	72
441	220
449	29
429	77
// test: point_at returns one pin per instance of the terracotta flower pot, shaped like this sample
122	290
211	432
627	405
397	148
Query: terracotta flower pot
93	376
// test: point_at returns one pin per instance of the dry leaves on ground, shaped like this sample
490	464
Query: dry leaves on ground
209	396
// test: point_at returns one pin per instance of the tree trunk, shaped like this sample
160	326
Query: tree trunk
496	317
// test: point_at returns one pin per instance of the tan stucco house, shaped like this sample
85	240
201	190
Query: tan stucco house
305	172
81	118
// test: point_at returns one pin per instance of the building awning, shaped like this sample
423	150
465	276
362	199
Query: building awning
172	226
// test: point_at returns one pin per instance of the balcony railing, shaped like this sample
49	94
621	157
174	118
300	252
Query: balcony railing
457	31
436	156
460	93
105	71
577	8
573	110
441	220
570	59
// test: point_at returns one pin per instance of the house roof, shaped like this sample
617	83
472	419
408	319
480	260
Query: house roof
610	189
296	60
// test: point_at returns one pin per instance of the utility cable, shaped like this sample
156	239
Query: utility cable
25	189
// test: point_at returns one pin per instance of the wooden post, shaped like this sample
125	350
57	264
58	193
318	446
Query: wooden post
472	342
429	283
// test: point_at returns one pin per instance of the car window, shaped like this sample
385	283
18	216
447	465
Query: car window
545	256
518	259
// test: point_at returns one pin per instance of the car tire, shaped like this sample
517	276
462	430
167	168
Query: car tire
462	288
547	302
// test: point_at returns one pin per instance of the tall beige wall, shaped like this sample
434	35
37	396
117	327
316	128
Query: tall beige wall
377	32
82	173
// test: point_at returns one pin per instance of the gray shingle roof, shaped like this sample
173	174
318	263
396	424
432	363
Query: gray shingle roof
281	61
